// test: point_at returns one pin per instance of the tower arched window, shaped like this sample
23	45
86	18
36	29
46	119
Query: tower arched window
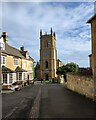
46	64
47	45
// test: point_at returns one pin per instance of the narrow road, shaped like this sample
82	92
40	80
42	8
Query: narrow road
18	104
59	102
56	102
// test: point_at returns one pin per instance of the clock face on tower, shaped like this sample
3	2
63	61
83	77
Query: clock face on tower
46	53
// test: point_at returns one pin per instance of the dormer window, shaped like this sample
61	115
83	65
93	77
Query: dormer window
27	55
2	44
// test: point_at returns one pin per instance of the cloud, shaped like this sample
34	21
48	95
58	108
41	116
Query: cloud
23	22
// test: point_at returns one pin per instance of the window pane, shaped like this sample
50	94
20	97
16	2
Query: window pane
15	61
3	60
20	76
16	76
25	64
4	78
10	78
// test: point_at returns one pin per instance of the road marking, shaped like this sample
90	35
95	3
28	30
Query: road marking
14	109
8	116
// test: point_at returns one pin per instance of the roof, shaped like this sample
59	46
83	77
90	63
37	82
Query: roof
90	55
6	70
92	18
14	52
59	61
18	69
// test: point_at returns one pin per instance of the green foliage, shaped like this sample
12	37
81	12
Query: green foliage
61	70
70	67
36	68
33	69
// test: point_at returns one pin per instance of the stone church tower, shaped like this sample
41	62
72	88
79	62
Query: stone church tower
48	55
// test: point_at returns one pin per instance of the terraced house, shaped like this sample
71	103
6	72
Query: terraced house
16	64
92	56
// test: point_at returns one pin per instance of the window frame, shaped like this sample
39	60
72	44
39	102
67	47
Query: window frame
10	78
24	64
3	60
5	78
15	59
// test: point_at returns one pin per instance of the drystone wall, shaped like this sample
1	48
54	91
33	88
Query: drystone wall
81	84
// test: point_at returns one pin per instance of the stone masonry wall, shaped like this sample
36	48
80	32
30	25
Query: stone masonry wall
81	84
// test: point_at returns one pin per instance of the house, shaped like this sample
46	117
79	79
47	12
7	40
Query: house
16	64
92	57
59	63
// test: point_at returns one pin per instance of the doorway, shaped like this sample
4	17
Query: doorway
46	77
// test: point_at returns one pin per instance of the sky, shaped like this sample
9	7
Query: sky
23	21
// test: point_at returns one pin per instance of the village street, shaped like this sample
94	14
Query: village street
18	103
56	102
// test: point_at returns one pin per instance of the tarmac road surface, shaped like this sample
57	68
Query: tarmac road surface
55	102
59	102
18	104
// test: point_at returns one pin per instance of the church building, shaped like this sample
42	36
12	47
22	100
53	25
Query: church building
48	55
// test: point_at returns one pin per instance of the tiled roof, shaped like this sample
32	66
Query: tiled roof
6	70
93	17
14	52
18	69
90	55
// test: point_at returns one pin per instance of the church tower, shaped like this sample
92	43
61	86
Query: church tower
48	55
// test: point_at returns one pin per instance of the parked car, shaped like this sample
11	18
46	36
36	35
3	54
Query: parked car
14	87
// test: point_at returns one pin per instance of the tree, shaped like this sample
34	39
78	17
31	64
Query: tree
70	67
36	68
61	70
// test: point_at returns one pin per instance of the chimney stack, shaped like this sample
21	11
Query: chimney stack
51	31
5	37
41	33
22	48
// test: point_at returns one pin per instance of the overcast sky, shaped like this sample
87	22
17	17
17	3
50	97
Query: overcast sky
23	22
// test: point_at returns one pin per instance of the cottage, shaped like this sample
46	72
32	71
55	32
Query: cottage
16	64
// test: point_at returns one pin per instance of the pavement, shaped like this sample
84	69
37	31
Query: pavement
54	101
6	91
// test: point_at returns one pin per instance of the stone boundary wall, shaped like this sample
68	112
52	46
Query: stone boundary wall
81	84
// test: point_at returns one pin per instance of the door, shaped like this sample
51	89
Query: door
46	77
